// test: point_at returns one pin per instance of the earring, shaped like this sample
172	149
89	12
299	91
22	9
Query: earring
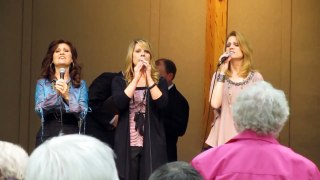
71	66
52	66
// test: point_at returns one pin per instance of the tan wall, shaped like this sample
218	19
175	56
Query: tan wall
285	39
284	35
101	31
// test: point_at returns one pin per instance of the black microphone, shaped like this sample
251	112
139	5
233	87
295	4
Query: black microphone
223	59
62	71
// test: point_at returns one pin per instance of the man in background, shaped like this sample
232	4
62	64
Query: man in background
177	112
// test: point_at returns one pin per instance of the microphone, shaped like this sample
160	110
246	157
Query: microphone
62	71
223	59
143	68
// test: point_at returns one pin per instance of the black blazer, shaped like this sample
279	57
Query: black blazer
103	111
175	116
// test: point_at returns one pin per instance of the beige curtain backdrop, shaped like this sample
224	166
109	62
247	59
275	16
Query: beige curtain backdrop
283	34
101	32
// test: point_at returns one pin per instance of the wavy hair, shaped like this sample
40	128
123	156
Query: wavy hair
247	54
48	70
261	108
129	66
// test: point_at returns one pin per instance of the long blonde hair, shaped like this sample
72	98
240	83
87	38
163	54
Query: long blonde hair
247	54
129	67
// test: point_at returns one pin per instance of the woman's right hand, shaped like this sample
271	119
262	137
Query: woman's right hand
138	70
225	65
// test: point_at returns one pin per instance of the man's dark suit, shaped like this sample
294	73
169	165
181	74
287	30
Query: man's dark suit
176	117
100	101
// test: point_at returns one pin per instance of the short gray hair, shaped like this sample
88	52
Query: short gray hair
177	170
261	108
13	161
72	157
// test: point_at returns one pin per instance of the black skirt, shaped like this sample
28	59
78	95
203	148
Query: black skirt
54	126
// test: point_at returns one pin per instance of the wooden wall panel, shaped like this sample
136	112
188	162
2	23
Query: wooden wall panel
101	31
270	40
305	94
10	69
216	29
284	38
182	39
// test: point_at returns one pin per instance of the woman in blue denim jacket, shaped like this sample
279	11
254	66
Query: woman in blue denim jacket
61	98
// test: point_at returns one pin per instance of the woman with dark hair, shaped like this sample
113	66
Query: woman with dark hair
140	142
61	97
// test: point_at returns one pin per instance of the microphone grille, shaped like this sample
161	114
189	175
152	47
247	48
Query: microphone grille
62	70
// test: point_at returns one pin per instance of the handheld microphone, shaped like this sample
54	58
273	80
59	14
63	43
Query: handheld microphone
62	71
223	59
143	68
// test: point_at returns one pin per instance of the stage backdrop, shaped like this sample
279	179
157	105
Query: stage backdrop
284	35
101	31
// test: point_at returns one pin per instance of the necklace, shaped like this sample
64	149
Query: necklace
231	84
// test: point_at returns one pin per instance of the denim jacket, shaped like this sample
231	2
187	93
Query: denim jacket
47	100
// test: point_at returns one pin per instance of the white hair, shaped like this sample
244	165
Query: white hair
71	157
13	161
261	108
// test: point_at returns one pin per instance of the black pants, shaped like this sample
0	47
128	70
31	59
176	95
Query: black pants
136	163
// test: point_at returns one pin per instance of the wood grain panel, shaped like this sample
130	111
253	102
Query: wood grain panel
216	29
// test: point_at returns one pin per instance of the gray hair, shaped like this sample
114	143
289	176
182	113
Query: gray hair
261	108
13	161
72	157
178	170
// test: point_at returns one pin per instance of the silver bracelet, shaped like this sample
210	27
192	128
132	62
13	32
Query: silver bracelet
221	78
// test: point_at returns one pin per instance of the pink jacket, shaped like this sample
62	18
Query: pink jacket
249	156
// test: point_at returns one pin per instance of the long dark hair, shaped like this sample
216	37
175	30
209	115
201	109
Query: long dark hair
48	69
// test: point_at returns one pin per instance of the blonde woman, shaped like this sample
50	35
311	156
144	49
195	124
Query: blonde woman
234	74
140	143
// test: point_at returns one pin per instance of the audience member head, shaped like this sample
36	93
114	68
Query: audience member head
177	170
131	59
262	109
167	69
13	161
72	157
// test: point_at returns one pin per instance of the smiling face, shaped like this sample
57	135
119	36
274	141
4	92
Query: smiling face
62	56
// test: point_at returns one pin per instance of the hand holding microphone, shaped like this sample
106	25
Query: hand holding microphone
225	57
61	85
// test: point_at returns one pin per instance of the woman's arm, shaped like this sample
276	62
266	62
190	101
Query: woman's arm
216	96
46	98
162	100
120	98
78	101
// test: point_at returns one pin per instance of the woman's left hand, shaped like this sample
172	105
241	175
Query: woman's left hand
147	67
62	88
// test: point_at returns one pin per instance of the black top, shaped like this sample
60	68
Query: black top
102	110
154	144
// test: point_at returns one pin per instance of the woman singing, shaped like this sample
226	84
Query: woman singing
140	142
61	98
234	74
